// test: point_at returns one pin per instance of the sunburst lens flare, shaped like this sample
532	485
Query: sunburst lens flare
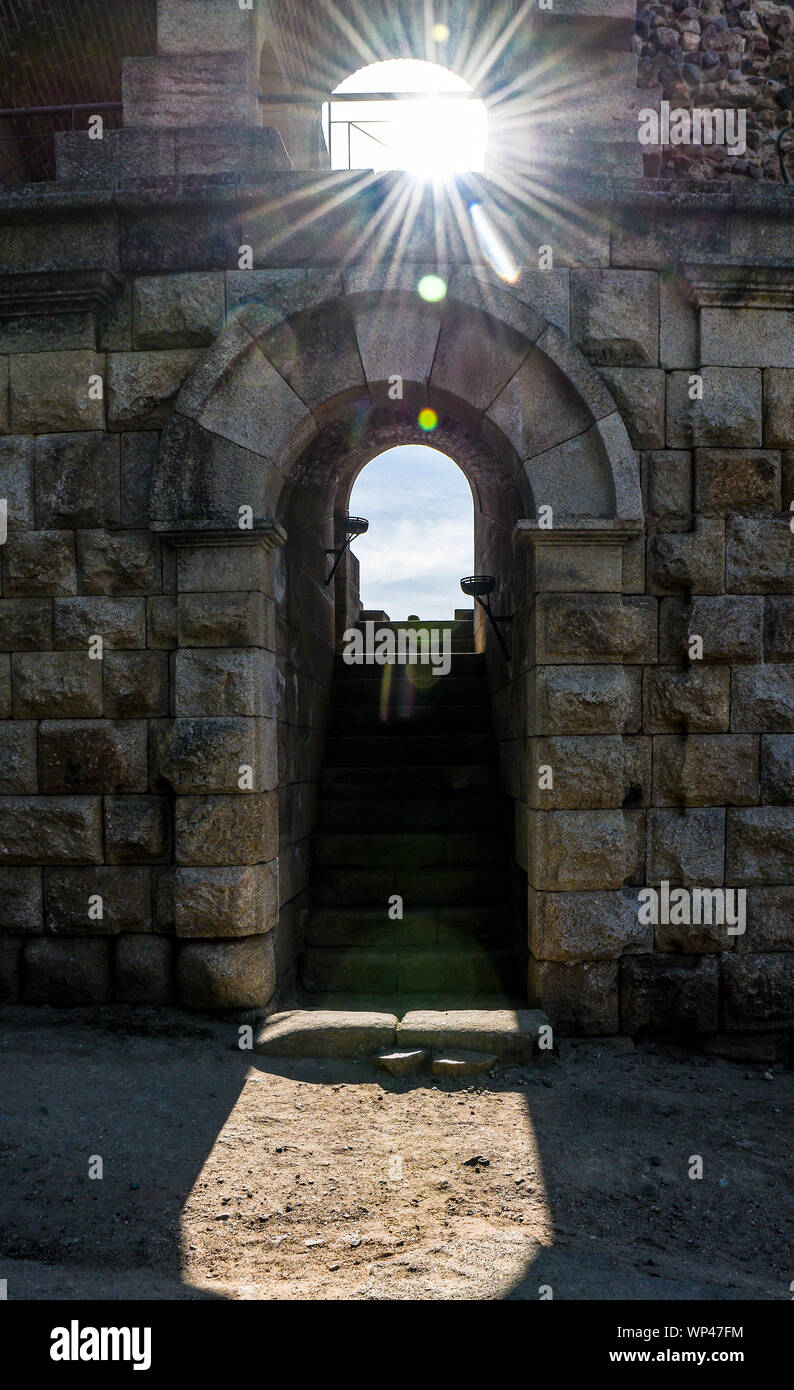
493	247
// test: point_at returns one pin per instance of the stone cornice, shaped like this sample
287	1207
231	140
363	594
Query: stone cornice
583	531
748	287
265	532
56	292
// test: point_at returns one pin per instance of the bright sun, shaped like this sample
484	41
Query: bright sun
440	129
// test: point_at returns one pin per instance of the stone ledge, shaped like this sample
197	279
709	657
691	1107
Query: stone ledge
508	1033
325	1033
52	292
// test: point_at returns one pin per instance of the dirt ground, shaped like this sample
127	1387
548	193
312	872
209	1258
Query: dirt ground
236	1178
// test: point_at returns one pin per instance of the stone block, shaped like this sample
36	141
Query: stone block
226	974
728	481
763	699
678	327
5	413
586	926
136	685
226	682
178	311
144	970
207	755
119	622
511	1034
693	560
579	998
590	772
770	920
235	567
60	684
39	563
18	762
615	316
669	483
226	901
595	628
538	408
71	899
50	392
87	755
587	700
705	770
142	387
760	845
16	482
225	620
639	396
777	769
138	457
660	995
174	90
694	700
5	685
759	556
161	616
731	628
573	568
326	1033
687	848
77	480
72	971
25	624
727	416
778	407
573	851
10	960
21	902
136	830
223	830
740	337
779	629
118	563
758	992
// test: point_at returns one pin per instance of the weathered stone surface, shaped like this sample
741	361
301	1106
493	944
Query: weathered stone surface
759	556
87	755
586	926
50	830
224	620
21	902
142	387
672	996
5	411
639	396
136	684
778	406
770	920
136	829
230	568
138	457
741	337
731	628
327	1033
729	415
144	970
226	829
178	311
226	974
779	629
39	562
693	560
174	90
587	700
56	683
226	902
5	685
575	568
580	850
10	960
736	480
77	480
763	699
758	991
705	770
160	622
669	483
695	699
777	769
460	1062
71	901
590	772
581	998
537	408
510	1034
119	622
686	847
615	316
66	972
25	624
225	682
206	755
18	761
403	1062
595	628
50	392
16	482
759	845
120	563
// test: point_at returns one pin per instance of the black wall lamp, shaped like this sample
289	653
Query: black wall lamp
354	526
480	587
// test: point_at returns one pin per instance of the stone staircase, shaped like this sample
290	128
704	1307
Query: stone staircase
409	805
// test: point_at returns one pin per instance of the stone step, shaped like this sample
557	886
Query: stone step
419	971
446	926
413	750
419	692
371	720
387	814
419	887
348	782
511	1035
418	850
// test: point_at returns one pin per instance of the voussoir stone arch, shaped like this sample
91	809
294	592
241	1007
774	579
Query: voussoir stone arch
304	350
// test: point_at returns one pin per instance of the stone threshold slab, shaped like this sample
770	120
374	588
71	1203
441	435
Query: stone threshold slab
509	1034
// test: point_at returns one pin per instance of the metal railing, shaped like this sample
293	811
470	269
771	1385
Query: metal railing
44	139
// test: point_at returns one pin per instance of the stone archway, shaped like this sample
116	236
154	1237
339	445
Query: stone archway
254	471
